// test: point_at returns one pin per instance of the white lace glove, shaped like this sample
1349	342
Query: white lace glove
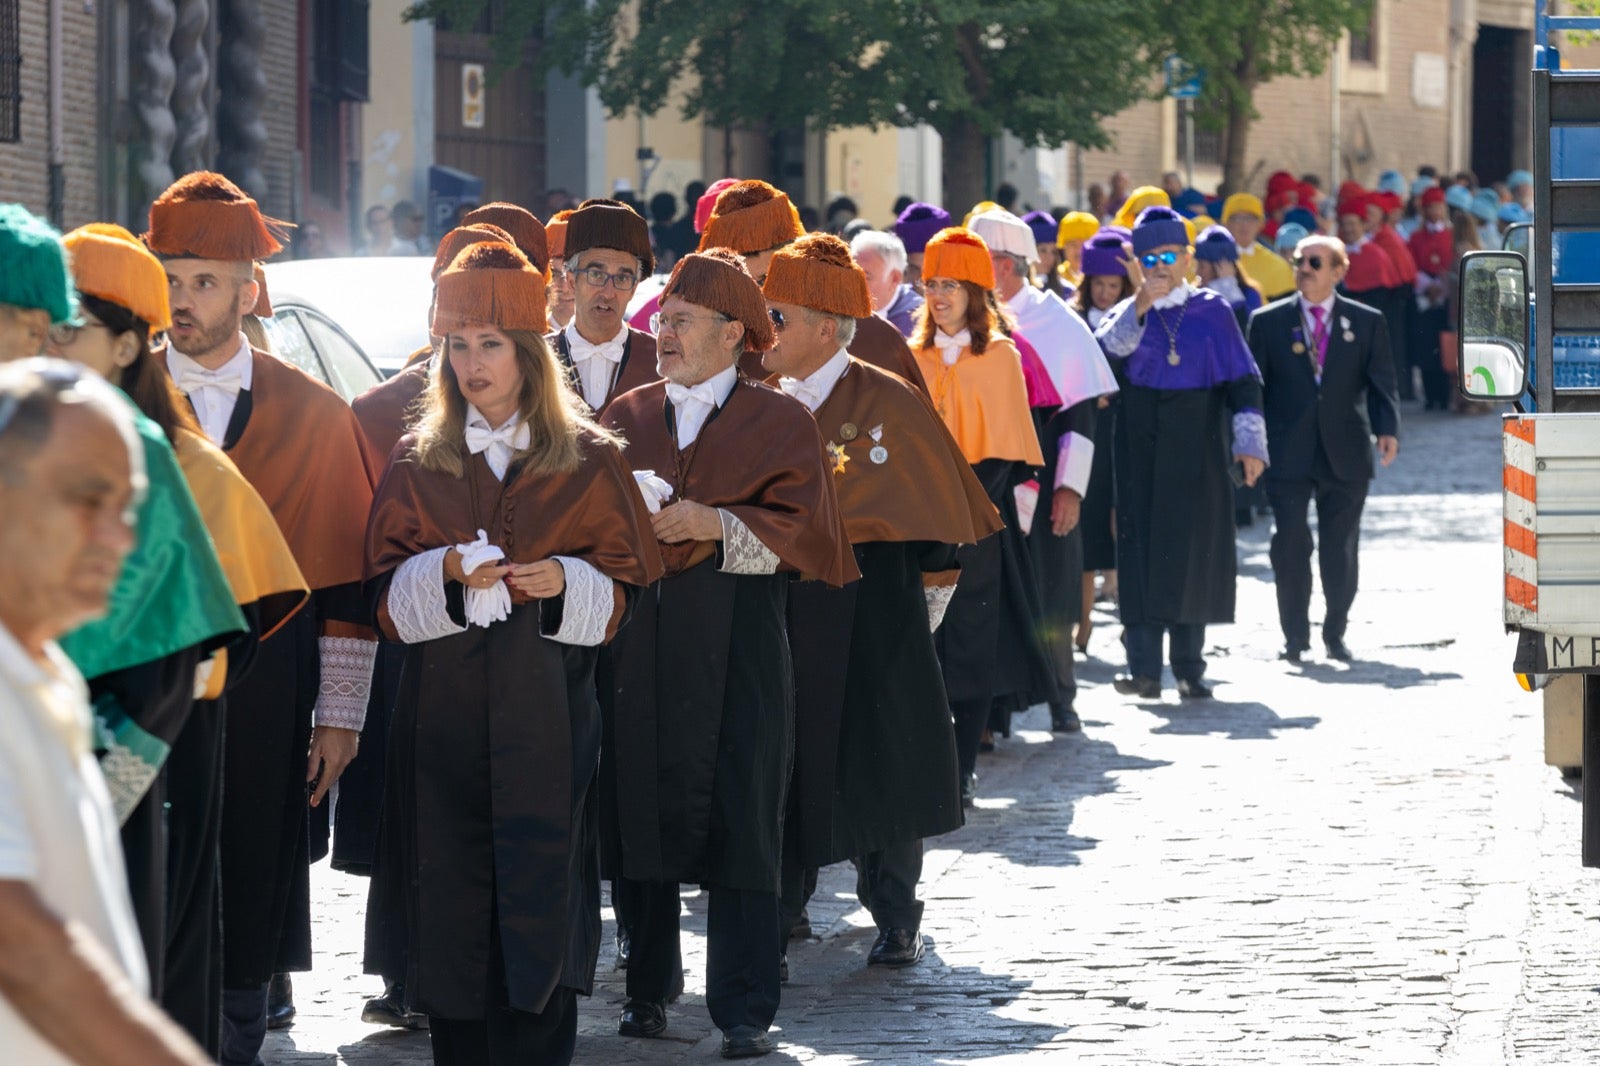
484	606
655	491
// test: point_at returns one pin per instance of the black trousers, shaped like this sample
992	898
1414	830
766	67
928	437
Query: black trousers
1425	354
1339	505
742	950
970	717
886	884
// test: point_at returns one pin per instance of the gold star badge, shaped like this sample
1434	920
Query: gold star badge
836	453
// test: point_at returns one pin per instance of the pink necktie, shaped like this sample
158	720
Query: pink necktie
1319	335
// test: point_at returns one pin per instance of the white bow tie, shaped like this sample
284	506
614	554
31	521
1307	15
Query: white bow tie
499	444
950	346
610	351
227	379
802	390
702	393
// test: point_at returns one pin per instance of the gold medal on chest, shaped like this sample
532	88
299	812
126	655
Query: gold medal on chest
1298	349
848	431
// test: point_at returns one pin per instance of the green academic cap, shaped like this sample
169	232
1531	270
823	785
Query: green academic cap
33	265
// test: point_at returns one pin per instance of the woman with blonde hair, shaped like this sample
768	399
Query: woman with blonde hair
506	540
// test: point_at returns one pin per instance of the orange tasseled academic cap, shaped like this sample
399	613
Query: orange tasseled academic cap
816	271
556	233
451	244
751	217
205	216
527	232
490	283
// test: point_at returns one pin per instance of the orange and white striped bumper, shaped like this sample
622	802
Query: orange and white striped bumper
1521	511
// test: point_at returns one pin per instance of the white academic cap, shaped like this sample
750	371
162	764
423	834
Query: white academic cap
1004	232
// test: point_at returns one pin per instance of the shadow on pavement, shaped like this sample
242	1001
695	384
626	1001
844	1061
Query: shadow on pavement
1238	721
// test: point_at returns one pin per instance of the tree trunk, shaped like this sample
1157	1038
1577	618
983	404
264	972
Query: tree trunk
1236	161
962	153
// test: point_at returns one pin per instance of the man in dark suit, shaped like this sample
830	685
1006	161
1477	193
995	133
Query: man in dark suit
1328	383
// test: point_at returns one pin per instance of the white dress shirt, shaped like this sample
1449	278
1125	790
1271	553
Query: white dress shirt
213	393
814	390
692	405
499	444
596	363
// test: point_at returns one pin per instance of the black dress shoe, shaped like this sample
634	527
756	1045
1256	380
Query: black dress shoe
969	790
1292	655
1146	688
896	947
642	1018
802	928
746	1042
1337	650
624	949
280	1002
1193	690
390	1009
1065	720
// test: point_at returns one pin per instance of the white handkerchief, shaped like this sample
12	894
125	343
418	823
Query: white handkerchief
484	606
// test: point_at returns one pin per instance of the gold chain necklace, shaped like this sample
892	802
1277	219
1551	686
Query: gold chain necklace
1173	359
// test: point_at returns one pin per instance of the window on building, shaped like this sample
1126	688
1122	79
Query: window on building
10	70
1208	134
1364	42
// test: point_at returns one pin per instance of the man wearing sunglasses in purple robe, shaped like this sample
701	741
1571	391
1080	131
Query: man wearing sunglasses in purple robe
1183	366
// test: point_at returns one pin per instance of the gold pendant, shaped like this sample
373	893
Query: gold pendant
1173	358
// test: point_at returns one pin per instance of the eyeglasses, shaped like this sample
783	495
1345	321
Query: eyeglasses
942	286
1312	261
63	334
1150	259
679	323
778	321
595	276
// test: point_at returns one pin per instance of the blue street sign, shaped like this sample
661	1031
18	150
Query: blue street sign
1183	80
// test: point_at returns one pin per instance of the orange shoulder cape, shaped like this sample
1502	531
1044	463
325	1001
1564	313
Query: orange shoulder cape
983	400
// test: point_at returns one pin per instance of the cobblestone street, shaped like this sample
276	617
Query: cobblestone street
1327	864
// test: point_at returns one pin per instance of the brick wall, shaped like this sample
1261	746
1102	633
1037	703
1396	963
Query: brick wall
24	177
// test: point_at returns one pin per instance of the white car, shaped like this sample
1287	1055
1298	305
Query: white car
350	321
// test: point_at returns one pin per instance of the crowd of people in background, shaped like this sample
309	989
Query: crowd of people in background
708	547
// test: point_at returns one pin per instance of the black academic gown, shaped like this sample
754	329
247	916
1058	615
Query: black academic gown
1175	534
1058	561
871	718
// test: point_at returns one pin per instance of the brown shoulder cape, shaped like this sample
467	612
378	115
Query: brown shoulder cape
924	489
250	547
384	410
305	453
595	513
760	457
879	343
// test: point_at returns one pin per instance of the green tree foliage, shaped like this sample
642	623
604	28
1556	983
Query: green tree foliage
1048	71
1239	44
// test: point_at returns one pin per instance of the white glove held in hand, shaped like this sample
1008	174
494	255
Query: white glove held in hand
484	606
655	491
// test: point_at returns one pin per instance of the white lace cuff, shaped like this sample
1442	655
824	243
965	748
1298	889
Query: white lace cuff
586	605
1120	331
417	604
938	599
346	681
1250	435
742	550
1074	462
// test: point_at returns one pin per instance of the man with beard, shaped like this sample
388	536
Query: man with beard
702	729
875	759
302	449
607	250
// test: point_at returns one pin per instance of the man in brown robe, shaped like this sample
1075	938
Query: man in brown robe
702	728
875	754
755	219
608	253
300	447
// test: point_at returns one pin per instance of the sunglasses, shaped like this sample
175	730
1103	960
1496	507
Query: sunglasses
1150	259
778	321
1314	262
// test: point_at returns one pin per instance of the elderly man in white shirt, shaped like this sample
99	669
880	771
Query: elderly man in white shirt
73	982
